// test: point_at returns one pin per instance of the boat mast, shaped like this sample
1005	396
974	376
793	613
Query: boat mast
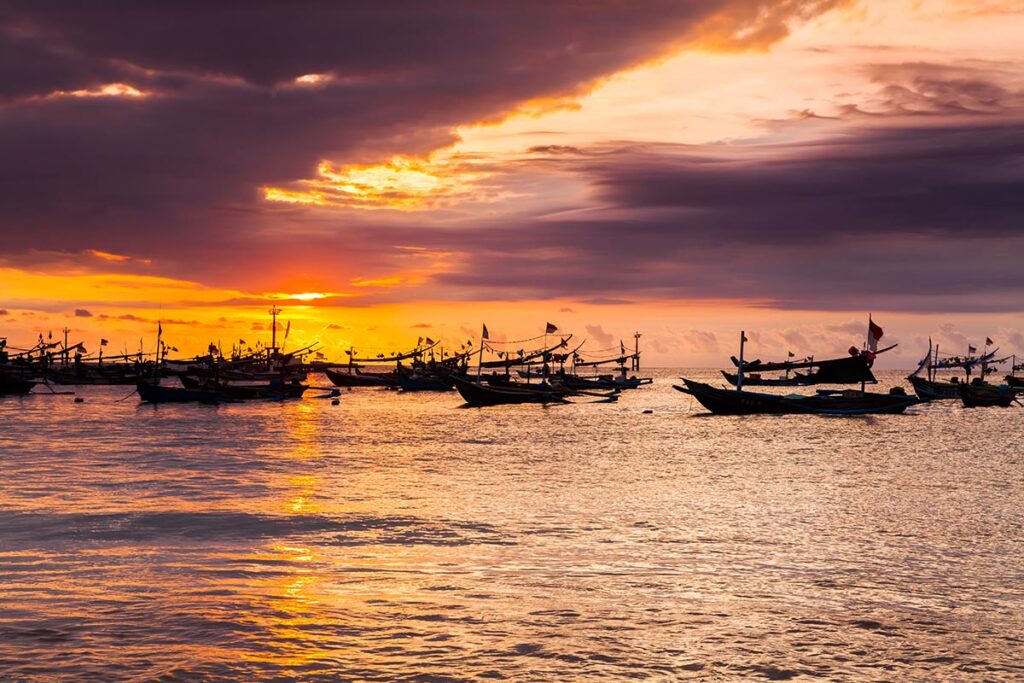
274	310
635	366
739	372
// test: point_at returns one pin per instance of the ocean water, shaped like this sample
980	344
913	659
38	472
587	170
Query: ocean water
401	537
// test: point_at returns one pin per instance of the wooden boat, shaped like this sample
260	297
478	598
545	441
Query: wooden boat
416	381
1016	383
479	395
756	380
929	388
13	384
853	369
850	402
356	378
980	395
154	393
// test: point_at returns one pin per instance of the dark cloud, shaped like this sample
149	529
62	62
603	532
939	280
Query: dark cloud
224	117
918	217
82	313
908	211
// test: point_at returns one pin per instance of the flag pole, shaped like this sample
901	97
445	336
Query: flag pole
480	359
739	372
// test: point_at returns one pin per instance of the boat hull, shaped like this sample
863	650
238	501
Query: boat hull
15	386
357	379
478	395
986	396
928	390
741	402
154	393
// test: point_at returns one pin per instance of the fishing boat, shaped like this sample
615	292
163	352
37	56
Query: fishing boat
928	387
981	395
13	384
618	379
155	393
478	395
423	381
854	369
279	387
829	402
355	378
851	369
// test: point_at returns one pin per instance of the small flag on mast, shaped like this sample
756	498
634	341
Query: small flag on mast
971	349
874	335
988	342
550	329
103	342
484	333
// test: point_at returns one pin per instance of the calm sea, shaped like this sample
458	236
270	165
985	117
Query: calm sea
401	537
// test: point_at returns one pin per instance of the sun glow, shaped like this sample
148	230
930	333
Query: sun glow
403	183
108	90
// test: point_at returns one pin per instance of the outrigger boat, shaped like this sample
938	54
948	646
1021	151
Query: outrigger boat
849	402
981	395
351	374
478	395
848	370
929	388
855	369
12	384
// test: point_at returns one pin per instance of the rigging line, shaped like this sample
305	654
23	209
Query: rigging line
520	341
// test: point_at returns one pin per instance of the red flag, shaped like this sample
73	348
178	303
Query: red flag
874	335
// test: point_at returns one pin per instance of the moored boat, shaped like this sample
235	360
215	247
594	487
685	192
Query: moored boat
12	384
355	378
981	395
849	402
479	395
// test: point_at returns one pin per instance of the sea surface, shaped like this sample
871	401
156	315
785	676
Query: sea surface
403	537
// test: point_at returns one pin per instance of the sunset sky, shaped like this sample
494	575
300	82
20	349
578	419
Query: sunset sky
388	170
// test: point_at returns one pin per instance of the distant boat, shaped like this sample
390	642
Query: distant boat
980	395
929	388
355	378
423	381
213	392
479	395
852	369
849	402
155	393
856	368
11	384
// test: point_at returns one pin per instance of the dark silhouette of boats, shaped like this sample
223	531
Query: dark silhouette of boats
478	394
216	392
12	384
355	378
981	395
826	402
854	369
929	388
